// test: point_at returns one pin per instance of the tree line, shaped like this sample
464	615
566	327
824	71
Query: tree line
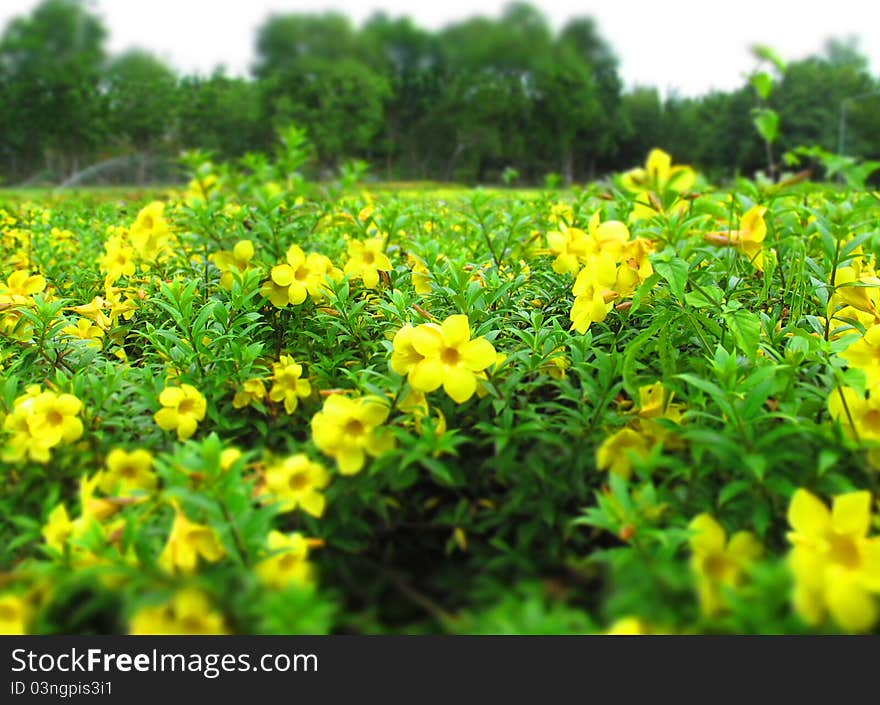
479	101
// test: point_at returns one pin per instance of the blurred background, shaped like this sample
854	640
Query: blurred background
113	91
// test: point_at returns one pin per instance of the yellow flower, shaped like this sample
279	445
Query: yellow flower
449	357
128	472
836	565
40	421
296	482
20	287
594	291
182	409
349	429
416	403
150	233
279	296
287	385
748	239
421	275
659	175
629	626
94	311
717	563
58	529
14	615
654	181
200	188
320	270
228	458
856	286
366	259
54	418
118	259
85	330
859	416
188	612
187	543
561	213
570	245
607	238
655	402
616	452
237	260
865	354
252	390
293	275
403	355
288	563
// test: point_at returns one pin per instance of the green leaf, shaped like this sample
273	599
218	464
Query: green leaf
675	272
762	83
762	51
767	123
746	329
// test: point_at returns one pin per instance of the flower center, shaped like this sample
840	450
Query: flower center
298	481
844	551
288	561
450	356
716	566
191	624
872	420
354	427
369	258
55	418
301	274
187	406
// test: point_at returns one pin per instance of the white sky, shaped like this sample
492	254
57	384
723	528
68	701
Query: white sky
690	46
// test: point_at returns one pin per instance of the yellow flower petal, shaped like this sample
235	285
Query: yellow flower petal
459	383
456	330
708	536
427	375
851	606
851	513
807	514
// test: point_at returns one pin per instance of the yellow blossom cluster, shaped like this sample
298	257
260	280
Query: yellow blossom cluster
608	263
658	186
348	430
617	453
40	421
835	563
748	239
432	356
300	276
17	293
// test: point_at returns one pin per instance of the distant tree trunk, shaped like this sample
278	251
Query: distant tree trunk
567	165
142	168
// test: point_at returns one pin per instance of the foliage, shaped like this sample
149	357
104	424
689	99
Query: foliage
263	405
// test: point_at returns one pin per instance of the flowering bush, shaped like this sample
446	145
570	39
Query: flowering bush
649	405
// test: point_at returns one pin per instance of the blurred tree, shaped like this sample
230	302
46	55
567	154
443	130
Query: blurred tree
222	115
284	41
51	64
315	72
640	128
811	97
340	103
411	61
597	139
142	101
